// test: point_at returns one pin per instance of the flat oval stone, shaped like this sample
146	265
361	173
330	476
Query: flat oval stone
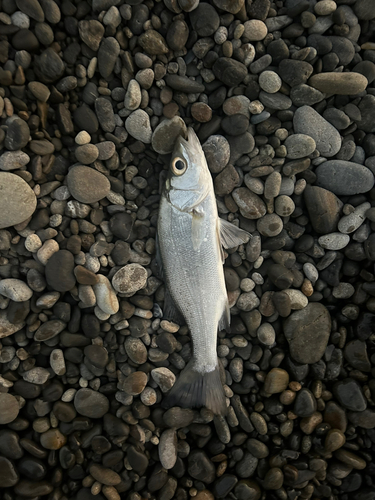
87	185
339	83
91	403
299	146
15	289
334	241
307	121
344	177
307	332
17	200
33	489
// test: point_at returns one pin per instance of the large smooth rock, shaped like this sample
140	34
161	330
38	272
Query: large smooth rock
344	177
17	200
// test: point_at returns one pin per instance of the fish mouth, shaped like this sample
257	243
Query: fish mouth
190	142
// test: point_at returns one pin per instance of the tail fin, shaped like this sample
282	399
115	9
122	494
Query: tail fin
195	389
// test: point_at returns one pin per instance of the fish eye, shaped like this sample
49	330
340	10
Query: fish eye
178	166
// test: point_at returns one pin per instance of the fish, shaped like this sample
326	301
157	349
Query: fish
189	256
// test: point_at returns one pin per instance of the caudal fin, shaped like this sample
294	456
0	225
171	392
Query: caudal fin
194	389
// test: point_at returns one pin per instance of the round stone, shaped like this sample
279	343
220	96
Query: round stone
91	403
299	146
277	380
9	408
135	383
53	439
130	278
17	200
270	225
87	185
270	82
86	154
255	30
201	112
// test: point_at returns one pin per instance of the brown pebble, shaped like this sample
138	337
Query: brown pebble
201	112
308	424
295	386
287	397
274	479
307	288
53	439
335	439
104	475
349	458
170	110
276	381
85	276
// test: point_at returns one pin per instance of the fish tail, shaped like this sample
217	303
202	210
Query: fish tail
196	389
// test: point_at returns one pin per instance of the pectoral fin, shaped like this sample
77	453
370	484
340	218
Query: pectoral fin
232	236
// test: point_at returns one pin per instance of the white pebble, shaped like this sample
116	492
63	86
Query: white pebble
33	243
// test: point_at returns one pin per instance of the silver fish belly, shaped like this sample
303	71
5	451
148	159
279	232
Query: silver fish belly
190	240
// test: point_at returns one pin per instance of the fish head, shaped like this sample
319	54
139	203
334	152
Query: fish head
189	179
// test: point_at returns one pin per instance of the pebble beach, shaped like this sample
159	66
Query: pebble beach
93	95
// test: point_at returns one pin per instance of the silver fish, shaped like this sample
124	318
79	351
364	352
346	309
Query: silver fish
189	252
